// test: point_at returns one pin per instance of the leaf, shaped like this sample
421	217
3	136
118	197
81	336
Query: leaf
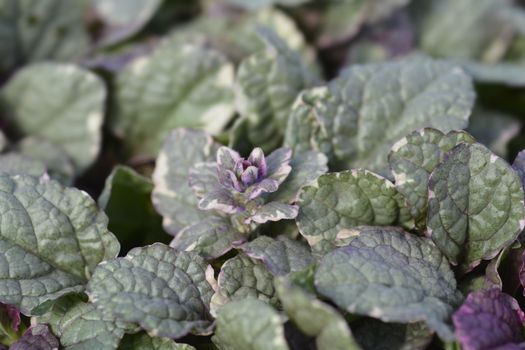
211	237
274	211
504	73
126	199
11	327
242	277
391	275
59	166
343	20
172	196
163	291
489	320
176	86
494	129
51	239
281	255
473	29
266	86
61	103
249	324
358	116
48	30
16	164
377	335
259	4
475	205
142	341
519	166
412	160
124	18
330	208
306	167
80	325
315	318
36	338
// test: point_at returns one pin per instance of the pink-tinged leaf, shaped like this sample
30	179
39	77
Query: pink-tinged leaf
37	337
274	211
489	320
265	186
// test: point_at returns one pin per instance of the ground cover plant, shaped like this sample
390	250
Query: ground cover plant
262	174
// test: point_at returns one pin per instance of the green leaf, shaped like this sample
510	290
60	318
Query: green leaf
315	318
377	335
475	205
172	196
178	85
258	4
61	103
142	341
124	18
505	73
249	324
391	275
242	277
163	291
46	30
306	167
494	129
337	202
16	164
51	239
412	160
468	29
358	117
126	199
281	255
267	84
59	166
211	237
80	325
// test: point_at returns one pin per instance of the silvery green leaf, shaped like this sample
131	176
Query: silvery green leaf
306	167
211	237
332	206
45	30
505	73
142	341
475	205
37	337
61	103
172	195
202	178
343	19
259	4
267	84
124	17
17	164
126	199
242	277
494	129
315	318
80	326
175	86
59	165
358	117
391	275
51	239
165	292
281	255
412	160
377	335
221	200
467	29
249	324
274	211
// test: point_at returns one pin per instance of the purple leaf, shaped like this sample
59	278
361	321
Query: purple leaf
249	176
257	158
37	337
489	320
11	314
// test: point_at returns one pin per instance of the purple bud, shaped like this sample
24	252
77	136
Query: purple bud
257	159
249	176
